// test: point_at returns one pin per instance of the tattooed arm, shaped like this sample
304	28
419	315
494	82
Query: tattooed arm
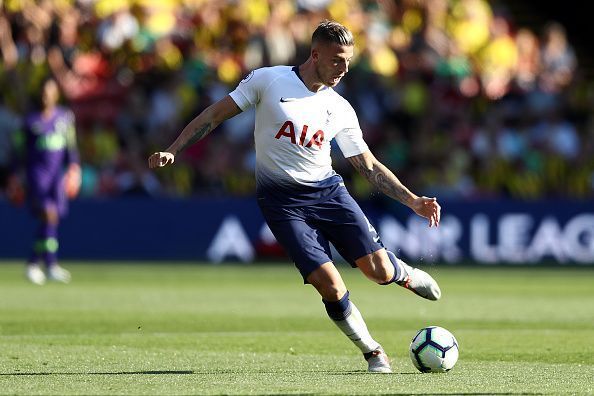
381	177
387	182
197	129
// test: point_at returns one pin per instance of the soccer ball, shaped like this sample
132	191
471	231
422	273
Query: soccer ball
434	350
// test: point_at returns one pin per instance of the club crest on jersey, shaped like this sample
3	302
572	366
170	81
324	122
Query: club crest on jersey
288	131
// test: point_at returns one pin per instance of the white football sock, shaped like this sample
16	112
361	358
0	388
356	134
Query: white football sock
351	323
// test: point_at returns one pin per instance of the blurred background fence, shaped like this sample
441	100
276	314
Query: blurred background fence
485	104
232	229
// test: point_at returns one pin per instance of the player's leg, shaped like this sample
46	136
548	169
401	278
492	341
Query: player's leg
46	243
384	268
344	313
310	251
33	271
358	242
59	205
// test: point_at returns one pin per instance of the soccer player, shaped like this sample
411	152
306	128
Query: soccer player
48	151
303	200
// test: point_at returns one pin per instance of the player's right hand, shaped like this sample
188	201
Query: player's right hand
160	159
15	191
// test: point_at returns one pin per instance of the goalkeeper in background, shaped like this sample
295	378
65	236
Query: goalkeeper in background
46	159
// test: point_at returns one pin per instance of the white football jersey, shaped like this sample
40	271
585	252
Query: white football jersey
293	131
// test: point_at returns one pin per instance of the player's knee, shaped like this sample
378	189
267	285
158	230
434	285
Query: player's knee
382	273
377	267
328	282
50	215
332	292
381	277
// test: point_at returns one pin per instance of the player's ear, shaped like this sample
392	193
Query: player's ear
315	53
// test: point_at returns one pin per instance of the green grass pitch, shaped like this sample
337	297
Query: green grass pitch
179	329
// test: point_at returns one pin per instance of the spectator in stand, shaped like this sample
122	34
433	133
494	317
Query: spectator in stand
422	65
498	59
558	60
528	65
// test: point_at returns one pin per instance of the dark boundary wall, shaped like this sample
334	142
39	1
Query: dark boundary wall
485	231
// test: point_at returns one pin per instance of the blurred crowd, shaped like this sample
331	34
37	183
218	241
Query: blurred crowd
451	94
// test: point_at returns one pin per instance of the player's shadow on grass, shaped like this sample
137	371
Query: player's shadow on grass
365	372
149	372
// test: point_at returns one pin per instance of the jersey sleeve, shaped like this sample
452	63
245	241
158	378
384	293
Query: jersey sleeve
249	90
350	136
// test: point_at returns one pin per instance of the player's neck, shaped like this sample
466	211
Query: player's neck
310	77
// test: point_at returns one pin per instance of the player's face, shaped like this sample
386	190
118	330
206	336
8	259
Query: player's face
50	93
332	62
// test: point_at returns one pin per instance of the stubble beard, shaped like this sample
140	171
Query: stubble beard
321	79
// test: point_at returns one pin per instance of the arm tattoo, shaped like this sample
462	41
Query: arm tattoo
382	178
198	134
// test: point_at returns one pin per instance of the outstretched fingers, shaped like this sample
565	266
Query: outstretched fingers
430	209
434	210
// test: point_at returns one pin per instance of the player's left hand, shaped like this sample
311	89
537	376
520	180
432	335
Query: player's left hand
429	209
72	180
